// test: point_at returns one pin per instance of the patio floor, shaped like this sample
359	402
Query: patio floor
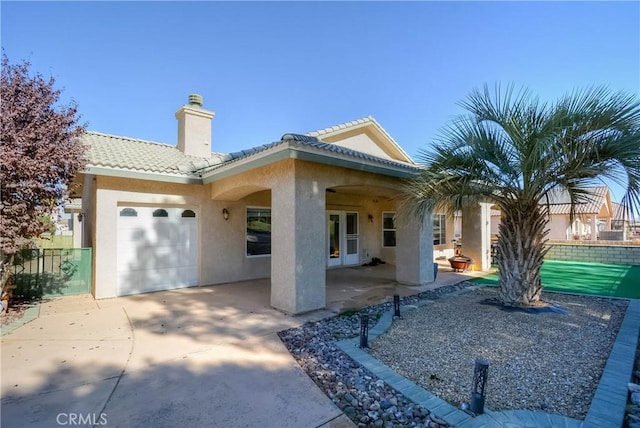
357	287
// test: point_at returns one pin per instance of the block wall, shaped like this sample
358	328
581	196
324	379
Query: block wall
594	252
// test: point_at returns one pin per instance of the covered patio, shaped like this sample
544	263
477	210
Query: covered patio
361	286
347	288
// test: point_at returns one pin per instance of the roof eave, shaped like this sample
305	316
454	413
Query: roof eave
141	175
348	162
300	152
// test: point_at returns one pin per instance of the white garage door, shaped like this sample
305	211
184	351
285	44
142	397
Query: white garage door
157	249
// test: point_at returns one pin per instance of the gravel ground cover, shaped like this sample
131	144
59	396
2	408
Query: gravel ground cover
365	399
549	362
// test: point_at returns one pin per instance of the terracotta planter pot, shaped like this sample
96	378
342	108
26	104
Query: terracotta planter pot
459	264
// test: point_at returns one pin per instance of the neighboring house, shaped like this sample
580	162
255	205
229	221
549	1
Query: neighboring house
593	216
159	216
624	221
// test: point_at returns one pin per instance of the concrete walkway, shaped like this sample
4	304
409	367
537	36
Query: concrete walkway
607	407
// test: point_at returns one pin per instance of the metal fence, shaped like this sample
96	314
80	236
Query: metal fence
52	272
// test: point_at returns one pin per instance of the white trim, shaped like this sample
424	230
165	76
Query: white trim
443	225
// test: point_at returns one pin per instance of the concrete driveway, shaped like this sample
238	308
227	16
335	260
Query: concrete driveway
195	357
207	356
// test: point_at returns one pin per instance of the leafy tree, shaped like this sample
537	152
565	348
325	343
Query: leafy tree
40	154
48	225
514	151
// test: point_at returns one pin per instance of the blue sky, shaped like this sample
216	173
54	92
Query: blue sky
268	68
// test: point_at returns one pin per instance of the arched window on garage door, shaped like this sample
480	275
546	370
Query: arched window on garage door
128	212
188	214
160	213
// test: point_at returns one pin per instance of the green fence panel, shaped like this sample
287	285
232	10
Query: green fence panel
52	272
66	271
27	267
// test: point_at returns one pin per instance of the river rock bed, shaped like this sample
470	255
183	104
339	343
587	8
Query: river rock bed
549	362
365	399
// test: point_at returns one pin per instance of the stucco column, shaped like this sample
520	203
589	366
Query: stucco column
594	228
105	244
414	249
298	277
476	235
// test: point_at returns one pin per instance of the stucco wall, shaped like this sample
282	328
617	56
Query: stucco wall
557	226
363	143
224	257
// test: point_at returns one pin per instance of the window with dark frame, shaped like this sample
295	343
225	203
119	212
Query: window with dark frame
128	212
388	229
160	213
258	231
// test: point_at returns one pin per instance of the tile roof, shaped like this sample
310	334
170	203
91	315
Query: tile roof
620	212
346	125
559	202
134	154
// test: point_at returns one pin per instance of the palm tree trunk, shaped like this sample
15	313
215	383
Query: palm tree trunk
521	253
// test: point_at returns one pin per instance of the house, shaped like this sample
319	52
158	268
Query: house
624	221
160	216
592	218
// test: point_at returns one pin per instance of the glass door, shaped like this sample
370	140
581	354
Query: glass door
352	253
343	239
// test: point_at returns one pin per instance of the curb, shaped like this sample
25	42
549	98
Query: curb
29	315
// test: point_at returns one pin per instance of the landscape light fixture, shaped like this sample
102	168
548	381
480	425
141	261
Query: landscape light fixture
396	305
225	214
364	331
479	384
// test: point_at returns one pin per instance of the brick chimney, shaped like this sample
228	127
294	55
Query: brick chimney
194	128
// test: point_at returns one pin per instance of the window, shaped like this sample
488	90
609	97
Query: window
188	214
388	229
128	212
439	229
160	213
258	231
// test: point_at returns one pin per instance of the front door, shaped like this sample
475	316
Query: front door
343	238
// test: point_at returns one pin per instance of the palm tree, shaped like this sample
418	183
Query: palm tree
514	151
